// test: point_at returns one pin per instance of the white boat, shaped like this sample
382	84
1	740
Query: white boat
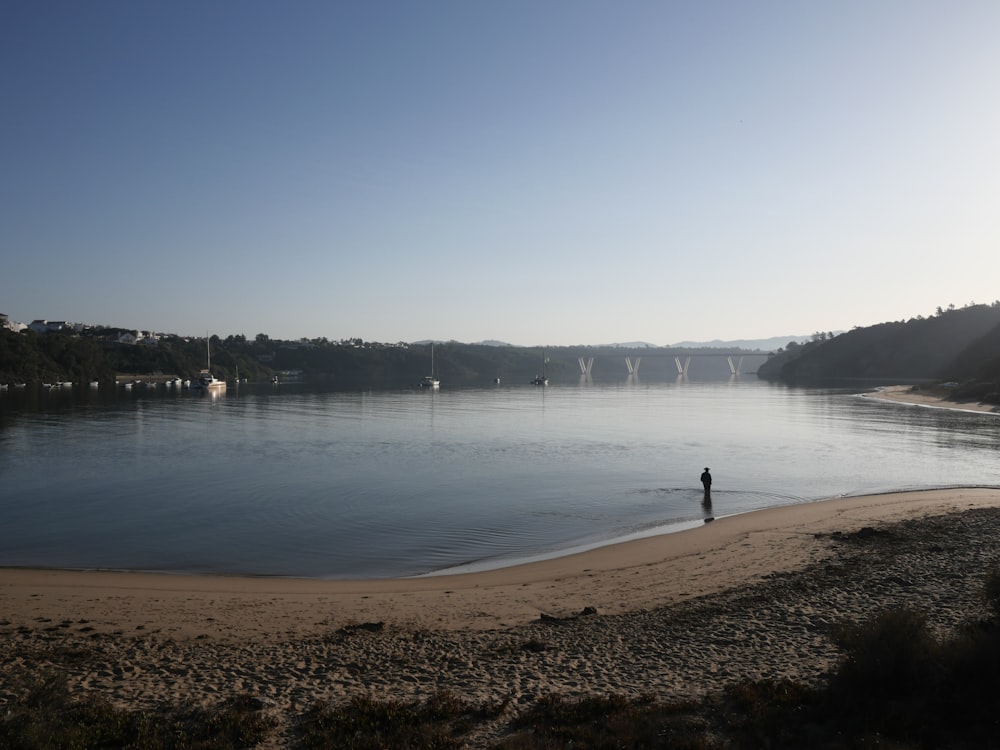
543	378
206	380
430	381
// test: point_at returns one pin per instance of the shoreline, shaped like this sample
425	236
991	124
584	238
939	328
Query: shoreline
746	597
615	578
645	573
905	394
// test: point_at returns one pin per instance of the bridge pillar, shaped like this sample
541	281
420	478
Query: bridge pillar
682	370
585	368
633	368
735	369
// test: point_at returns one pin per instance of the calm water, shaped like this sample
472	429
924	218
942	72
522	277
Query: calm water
292	482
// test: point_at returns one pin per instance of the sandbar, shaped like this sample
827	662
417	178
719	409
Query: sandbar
935	398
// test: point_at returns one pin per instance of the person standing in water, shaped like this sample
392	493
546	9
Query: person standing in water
706	481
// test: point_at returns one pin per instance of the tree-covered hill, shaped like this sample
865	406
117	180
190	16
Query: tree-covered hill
97	354
954	344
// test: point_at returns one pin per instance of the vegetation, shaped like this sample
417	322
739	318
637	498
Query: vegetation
961	345
441	721
29	357
97	354
46	717
898	685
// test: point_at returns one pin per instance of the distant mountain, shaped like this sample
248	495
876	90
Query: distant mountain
629	345
769	345
486	342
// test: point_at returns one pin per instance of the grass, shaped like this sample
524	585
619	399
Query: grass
47	717
898	686
441	721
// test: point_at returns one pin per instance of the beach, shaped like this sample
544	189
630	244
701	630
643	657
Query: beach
935	398
747	596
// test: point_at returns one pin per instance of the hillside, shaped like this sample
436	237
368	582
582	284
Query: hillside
31	357
954	345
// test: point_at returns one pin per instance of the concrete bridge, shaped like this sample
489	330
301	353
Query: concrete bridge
681	361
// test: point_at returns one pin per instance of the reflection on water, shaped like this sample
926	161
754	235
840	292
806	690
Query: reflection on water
706	505
293	482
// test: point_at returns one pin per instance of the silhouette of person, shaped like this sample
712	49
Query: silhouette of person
706	482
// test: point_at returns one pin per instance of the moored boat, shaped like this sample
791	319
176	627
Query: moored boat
543	378
430	381
206	380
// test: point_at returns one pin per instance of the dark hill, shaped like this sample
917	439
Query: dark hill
953	345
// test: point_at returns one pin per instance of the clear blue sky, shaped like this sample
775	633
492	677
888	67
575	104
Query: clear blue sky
555	172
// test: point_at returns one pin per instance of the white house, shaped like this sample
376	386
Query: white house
6	322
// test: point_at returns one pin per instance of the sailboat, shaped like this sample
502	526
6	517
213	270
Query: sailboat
543	378
430	381
206	380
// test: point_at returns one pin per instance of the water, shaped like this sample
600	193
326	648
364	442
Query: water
293	482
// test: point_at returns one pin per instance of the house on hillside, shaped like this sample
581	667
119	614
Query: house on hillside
47	326
10	325
128	338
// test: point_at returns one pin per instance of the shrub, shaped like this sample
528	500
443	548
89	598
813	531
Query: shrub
991	591
47	717
364	722
889	656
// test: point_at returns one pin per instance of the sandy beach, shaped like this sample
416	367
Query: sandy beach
675	615
935	398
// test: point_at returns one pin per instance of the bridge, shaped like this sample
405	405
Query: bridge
681	361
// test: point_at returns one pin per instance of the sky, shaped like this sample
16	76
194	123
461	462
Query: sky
552	172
